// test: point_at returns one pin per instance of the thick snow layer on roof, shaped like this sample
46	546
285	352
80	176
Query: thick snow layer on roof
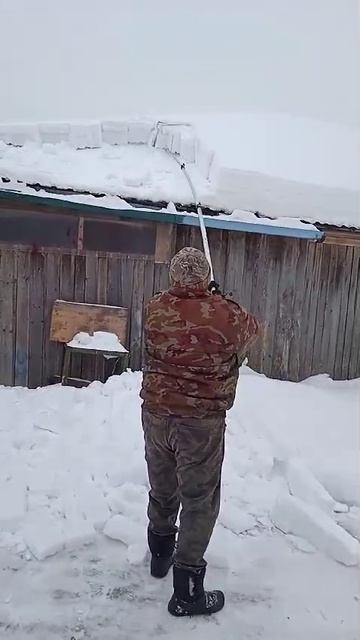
279	145
279	166
133	171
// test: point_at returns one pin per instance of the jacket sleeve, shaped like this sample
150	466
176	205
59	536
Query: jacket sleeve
246	329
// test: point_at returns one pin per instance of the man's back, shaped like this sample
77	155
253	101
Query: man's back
194	342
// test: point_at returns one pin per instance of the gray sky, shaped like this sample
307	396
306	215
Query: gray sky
104	58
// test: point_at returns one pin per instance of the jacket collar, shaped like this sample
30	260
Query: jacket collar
193	291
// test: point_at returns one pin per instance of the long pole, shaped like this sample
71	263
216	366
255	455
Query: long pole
199	211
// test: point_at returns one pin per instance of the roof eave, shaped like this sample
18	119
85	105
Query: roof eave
189	219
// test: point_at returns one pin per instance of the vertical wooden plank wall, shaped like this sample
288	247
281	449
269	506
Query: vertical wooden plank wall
306	296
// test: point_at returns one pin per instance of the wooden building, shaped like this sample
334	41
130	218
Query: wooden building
302	283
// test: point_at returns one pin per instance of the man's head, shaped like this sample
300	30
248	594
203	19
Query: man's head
189	268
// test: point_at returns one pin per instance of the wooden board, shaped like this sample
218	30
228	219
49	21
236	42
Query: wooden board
165	242
114	281
235	265
69	318
320	303
326	319
344	238
296	341
337	294
137	313
22	319
354	359
52	352
7	317
268	323
349	368
311	300
36	325
257	301
161	278
288	287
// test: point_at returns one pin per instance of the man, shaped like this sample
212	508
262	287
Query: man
195	342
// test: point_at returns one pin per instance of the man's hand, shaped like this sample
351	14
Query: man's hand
214	287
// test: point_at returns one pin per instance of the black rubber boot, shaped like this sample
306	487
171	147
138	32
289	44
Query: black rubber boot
189	597
162	552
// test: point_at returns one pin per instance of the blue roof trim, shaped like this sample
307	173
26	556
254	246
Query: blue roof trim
252	227
214	222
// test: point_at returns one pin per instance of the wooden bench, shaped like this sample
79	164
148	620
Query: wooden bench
68	319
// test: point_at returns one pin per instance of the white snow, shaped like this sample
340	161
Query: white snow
12	503
351	522
77	551
100	340
303	484
131	170
293	515
115	203
122	528
237	162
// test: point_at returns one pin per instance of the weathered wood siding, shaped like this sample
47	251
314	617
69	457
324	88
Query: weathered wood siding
307	297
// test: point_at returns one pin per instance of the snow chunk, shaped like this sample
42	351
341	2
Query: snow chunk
116	133
292	515
340	475
300	544
82	136
122	528
303	484
12	504
129	500
54	132
19	134
340	507
77	533
86	502
235	520
350	522
139	131
44	536
93	506
100	340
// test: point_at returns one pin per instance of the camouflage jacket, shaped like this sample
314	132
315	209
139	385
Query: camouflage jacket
194	344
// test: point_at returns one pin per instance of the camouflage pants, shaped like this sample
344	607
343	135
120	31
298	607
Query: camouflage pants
184	458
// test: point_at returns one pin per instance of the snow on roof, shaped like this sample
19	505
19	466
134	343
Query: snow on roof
238	220
281	167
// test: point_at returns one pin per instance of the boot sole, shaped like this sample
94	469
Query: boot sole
180	609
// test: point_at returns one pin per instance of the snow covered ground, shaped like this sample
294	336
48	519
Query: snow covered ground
72	470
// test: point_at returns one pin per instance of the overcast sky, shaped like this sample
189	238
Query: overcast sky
104	58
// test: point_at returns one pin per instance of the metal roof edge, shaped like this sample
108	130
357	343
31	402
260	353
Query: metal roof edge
212	222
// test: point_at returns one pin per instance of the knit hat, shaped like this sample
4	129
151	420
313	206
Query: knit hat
189	267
